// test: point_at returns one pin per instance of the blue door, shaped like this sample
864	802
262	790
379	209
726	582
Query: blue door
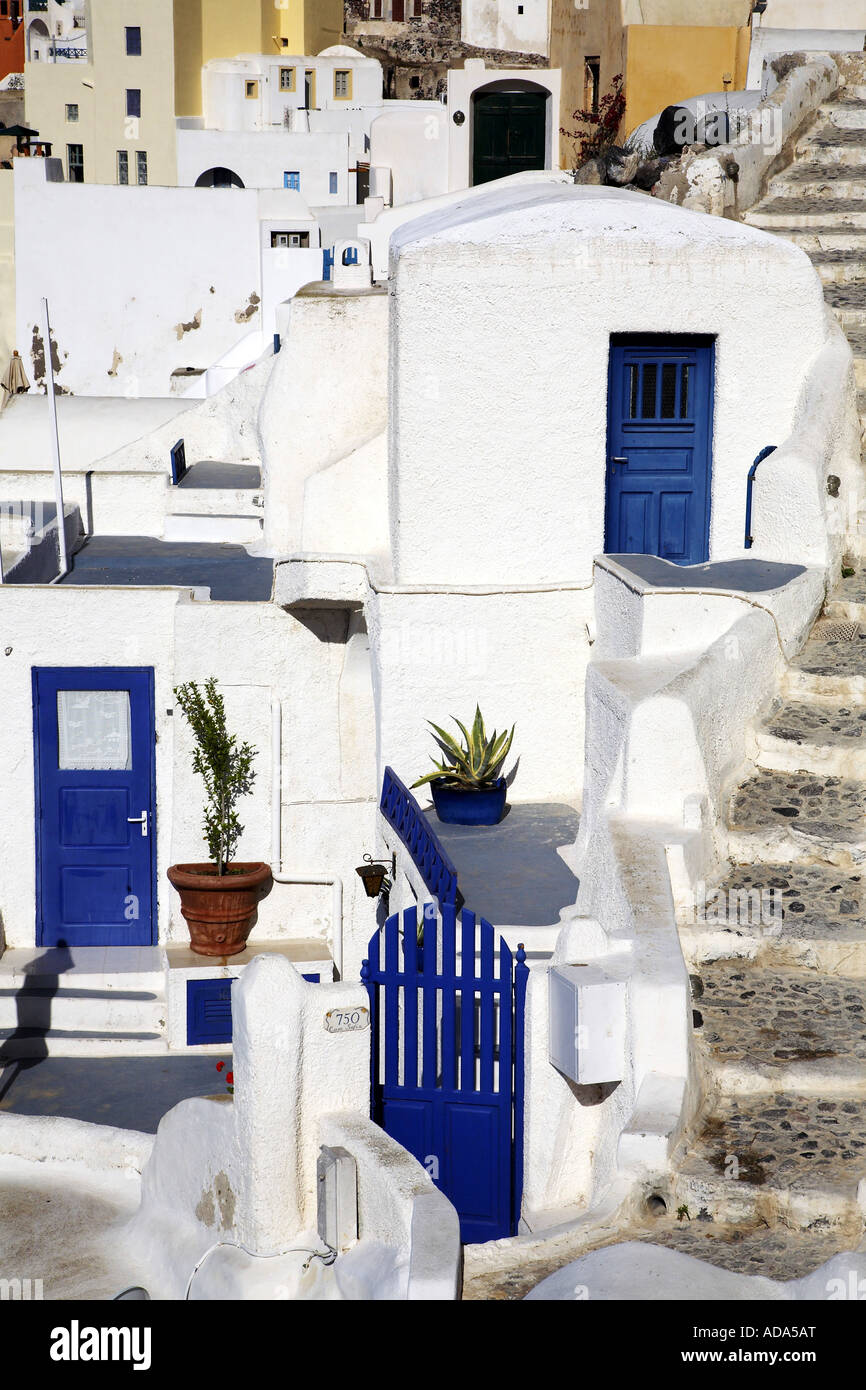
95	801
660	443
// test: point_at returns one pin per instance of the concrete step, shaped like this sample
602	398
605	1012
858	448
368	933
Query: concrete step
818	182
762	1030
214	502
237	529
790	1160
806	916
829	238
34	1043
80	1010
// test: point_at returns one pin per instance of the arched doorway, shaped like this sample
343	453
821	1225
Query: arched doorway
38	42
218	178
509	129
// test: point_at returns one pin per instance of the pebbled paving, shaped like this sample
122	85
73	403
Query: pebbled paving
827	808
844	658
815	724
788	901
770	1018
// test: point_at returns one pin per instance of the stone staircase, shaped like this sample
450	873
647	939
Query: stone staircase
778	962
819	202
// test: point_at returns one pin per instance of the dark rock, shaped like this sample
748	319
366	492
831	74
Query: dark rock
650	171
620	165
677	127
593	171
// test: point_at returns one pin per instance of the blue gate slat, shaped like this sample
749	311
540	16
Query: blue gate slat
449	998
430	997
392	1001
402	811
487	1006
467	1002
410	998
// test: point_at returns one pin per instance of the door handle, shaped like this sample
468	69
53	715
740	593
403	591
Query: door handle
139	820
614	462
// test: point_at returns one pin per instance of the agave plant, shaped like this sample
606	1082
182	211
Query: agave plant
477	763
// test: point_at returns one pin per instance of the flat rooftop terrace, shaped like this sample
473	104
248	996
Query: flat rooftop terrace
229	571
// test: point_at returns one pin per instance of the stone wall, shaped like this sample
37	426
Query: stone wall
417	53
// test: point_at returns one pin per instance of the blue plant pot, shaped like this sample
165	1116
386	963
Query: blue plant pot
465	806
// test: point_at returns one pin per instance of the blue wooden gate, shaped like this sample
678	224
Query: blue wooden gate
447	1059
660	440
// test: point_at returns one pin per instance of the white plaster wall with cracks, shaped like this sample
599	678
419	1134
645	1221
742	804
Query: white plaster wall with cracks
154	314
516	28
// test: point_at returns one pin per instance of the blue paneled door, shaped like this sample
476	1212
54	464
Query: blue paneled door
95	806
660	443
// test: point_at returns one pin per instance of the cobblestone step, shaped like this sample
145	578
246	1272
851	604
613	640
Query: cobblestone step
806	916
817	738
848	303
848	113
825	143
829	237
840	267
762	1031
786	1159
777	212
818	183
822	815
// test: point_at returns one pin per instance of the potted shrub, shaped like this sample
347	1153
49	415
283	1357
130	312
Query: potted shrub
219	899
469	789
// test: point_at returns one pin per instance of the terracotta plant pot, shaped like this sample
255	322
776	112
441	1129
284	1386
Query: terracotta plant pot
220	911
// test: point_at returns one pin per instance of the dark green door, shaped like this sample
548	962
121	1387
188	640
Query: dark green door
510	134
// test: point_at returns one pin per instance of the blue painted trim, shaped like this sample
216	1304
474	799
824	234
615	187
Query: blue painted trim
402	811
178	462
277	343
198	994
750	482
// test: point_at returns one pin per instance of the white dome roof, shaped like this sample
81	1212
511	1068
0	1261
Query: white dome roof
340	50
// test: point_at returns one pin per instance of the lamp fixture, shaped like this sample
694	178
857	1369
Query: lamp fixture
374	875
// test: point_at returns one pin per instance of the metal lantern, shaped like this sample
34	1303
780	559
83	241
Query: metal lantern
374	876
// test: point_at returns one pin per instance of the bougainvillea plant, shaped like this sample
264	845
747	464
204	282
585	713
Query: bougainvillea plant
602	126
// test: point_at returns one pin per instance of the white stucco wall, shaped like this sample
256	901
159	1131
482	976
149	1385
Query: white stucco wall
464	82
149	293
413	145
261	159
516	296
519	28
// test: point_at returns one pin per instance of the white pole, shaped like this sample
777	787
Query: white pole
55	441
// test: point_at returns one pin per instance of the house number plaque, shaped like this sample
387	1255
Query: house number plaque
347	1020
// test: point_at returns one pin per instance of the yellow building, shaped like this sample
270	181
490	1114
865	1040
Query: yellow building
110	116
666	51
206	29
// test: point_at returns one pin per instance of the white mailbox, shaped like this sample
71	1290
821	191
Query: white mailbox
587	1023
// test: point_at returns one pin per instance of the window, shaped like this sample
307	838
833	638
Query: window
4	6
287	79
133	101
333	183
418	9
591	84
72	111
292	179
343	83
293	239
133	41
123	166
75	163
141	165
94	730
252	91
375	9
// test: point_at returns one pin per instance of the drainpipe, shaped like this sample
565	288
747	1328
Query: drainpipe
300	877
55	445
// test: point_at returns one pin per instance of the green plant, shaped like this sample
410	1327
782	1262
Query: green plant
225	766
683	1213
477	762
